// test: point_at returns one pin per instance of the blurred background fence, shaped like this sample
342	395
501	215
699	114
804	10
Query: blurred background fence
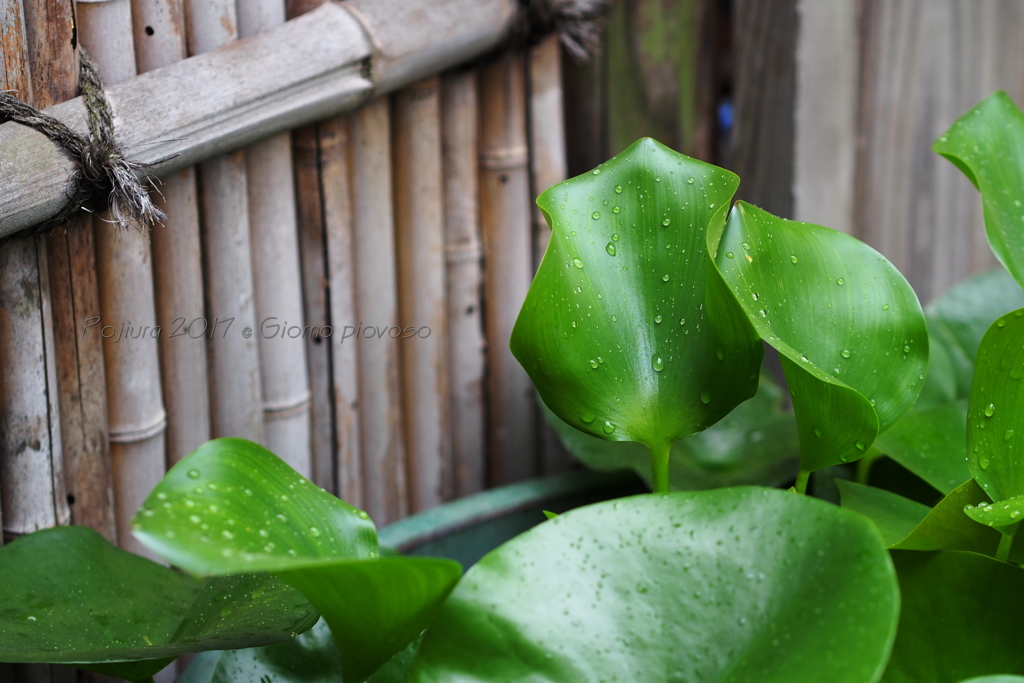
415	213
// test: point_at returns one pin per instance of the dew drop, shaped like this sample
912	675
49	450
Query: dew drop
593	363
705	396
314	532
983	462
690	181
793	259
608	427
618	189
193	474
840	282
576	262
615	237
845	353
616	209
1008	435
666	222
587	418
657	363
596	215
990	410
729	254
610	248
657	319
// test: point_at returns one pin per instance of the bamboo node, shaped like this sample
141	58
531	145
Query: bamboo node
105	178
504	158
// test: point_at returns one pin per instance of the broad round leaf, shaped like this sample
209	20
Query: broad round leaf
626	331
727	585
232	506
987	144
995	433
960	617
755	444
848	327
67	595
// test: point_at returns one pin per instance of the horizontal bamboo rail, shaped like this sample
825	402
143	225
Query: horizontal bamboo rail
323	63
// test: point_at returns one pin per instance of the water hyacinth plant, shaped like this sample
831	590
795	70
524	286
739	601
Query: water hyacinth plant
644	333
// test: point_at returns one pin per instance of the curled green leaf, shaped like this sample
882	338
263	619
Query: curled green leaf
627	331
848	328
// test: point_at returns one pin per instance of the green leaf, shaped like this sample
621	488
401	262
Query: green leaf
940	381
848	328
895	516
961	316
996	410
947	527
995	679
308	658
626	331
1002	515
960	617
931	443
115	607
233	506
711	586
755	444
987	144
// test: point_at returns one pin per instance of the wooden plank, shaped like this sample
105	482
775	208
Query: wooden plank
464	259
341	270
825	151
924	64
419	239
308	69
548	165
764	86
125	276
380	402
159	32
585	113
278	287
662	76
508	257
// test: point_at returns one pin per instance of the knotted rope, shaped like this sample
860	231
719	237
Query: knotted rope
578	23
104	179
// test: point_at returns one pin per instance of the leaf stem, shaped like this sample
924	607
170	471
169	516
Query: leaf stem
659	466
1005	543
801	482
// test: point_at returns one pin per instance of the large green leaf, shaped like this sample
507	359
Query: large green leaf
725	585
627	331
961	316
308	658
69	596
931	443
232	506
947	527
960	617
848	328
995	432
999	678
895	516
987	144
755	444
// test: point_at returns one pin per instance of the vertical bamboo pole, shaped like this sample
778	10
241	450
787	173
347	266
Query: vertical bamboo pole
71	256
159	30
337	207
508	257
31	488
548	166
309	210
464	260
277	280
325	240
234	365
380	406
419	238
134	400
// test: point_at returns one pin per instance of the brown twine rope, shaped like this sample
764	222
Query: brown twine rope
105	179
578	24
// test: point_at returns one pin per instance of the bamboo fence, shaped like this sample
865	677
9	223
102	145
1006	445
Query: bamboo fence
367	167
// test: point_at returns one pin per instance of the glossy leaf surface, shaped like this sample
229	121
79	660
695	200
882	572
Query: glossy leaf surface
995	414
848	328
626	330
946	527
709	586
996	679
961	316
755	444
234	506
116	606
932	444
960	617
987	145
895	516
